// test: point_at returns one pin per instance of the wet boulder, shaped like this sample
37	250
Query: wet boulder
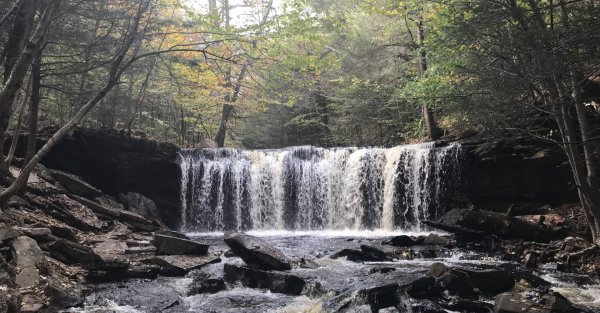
205	283
342	302
491	282
381	297
354	255
76	185
437	269
378	252
468	283
402	241
534	303
422	288
169	245
274	281
256	252
408	304
466	305
436	240
458	283
367	253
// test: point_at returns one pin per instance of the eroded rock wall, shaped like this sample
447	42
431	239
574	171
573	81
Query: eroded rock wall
522	174
117	163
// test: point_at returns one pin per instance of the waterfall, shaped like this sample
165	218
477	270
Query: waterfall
309	188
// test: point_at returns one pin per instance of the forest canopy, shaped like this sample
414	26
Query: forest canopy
267	74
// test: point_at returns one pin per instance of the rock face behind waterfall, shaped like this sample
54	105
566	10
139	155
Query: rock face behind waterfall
518	173
254	251
116	163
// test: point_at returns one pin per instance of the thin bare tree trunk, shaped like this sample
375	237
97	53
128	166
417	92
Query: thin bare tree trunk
222	131
18	36
34	104
10	12
591	191
15	79
17	130
433	131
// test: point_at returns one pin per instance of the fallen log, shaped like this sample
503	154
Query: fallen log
134	220
477	222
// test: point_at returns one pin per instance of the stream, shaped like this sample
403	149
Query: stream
311	203
327	278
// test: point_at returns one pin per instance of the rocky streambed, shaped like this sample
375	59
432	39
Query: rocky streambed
344	272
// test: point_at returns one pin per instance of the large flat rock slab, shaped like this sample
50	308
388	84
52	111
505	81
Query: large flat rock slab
274	281
522	302
256	252
76	185
178	265
29	261
169	245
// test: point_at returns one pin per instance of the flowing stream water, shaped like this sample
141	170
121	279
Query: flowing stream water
310	203
309	188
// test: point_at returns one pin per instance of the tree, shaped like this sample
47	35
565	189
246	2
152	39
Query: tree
541	55
18	69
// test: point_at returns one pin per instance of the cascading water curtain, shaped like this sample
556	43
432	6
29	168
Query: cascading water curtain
308	188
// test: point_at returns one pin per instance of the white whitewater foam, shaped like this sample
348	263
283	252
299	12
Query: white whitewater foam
310	188
108	307
322	233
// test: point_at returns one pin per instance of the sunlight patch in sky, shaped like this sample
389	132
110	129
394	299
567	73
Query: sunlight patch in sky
244	12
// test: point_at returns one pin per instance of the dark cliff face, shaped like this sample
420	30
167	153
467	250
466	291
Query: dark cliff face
523	175
116	163
496	175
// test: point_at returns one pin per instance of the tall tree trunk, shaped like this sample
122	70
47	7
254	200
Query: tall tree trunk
228	108
17	130
15	79
34	104
433	131
18	36
222	131
421	43
590	187
588	192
